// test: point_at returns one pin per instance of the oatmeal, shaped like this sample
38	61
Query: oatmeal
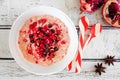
43	40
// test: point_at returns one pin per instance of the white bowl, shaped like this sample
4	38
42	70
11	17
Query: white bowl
37	69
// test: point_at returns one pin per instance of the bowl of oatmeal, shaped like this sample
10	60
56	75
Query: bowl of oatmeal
43	40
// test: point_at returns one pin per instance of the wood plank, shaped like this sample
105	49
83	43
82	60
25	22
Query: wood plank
106	43
10	70
4	48
10	10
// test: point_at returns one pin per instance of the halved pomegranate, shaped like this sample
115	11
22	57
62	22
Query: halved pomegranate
90	5
111	12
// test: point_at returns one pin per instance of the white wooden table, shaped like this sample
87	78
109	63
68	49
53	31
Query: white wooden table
106	43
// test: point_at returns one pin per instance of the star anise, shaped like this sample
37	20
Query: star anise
109	60
100	69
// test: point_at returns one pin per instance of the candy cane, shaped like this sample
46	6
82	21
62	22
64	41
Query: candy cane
84	22
95	30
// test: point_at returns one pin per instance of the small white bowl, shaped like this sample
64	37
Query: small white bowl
37	69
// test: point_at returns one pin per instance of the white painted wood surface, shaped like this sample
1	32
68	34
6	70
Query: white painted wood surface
11	71
106	43
11	9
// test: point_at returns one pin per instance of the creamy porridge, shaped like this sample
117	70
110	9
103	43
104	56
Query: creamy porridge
43	40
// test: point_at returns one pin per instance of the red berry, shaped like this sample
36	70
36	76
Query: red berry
49	41
50	25
30	51
58	32
43	21
42	46
63	42
25	40
53	37
33	25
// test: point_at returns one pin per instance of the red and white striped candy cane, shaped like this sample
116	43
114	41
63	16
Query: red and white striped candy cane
95	30
84	22
83	25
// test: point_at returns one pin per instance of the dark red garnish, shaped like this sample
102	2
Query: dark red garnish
36	62
40	28
18	42
30	35
44	39
52	30
25	40
50	25
44	55
55	48
100	69
43	21
37	42
32	41
63	42
30	51
33	25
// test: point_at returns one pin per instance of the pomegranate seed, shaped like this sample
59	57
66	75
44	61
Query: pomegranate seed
52	30
36	62
63	42
40	28
32	41
40	53
25	40
49	57
37	42
58	32
43	21
42	46
51	50
53	37
30	35
44	29
18	42
41	49
44	55
49	41
33	25
44	59
50	25
55	48
30	51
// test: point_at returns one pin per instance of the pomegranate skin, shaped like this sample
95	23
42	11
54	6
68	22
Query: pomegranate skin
90	5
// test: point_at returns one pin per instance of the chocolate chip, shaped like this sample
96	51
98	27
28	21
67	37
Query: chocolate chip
30	35
50	25
52	30
55	48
